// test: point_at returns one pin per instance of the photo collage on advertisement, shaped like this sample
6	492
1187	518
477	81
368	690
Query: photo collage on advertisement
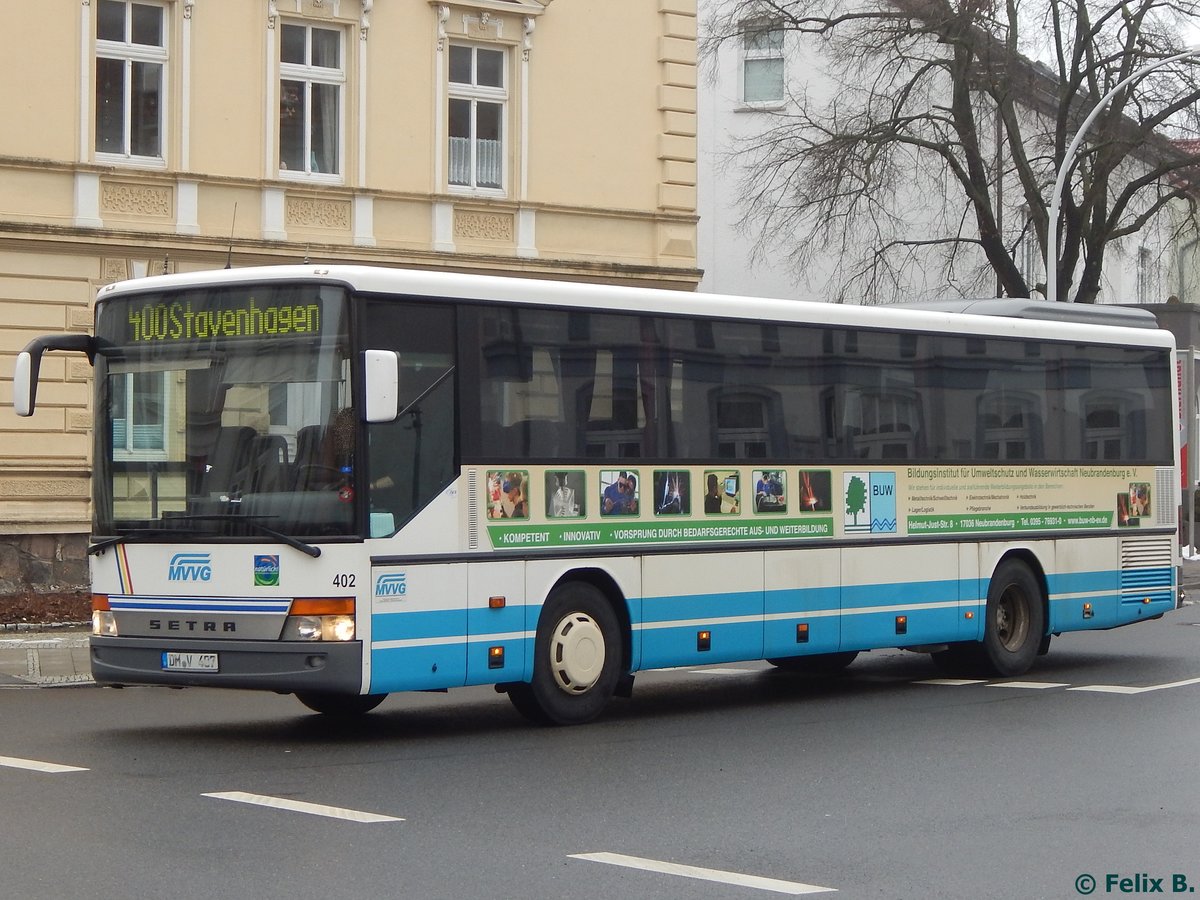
636	493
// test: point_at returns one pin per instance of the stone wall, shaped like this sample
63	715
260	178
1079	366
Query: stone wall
43	563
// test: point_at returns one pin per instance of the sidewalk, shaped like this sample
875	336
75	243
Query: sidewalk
57	658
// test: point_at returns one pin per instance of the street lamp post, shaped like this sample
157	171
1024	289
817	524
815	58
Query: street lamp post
1069	157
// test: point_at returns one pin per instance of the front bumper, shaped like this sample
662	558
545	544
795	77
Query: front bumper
282	666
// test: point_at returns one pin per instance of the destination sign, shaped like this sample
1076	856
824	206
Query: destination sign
180	320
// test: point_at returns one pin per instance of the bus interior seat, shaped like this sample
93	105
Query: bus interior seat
308	455
269	468
229	458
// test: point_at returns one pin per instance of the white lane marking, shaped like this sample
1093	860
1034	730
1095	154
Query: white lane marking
952	682
1124	689
35	765
312	809
794	888
1031	685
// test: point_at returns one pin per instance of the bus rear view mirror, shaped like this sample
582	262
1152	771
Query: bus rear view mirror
24	385
29	361
382	370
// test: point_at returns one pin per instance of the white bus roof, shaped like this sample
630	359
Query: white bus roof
991	317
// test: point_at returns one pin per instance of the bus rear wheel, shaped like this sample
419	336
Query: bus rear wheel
576	659
1014	627
340	706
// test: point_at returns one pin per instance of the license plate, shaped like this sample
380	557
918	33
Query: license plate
189	662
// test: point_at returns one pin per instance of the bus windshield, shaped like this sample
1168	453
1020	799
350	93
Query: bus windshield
225	412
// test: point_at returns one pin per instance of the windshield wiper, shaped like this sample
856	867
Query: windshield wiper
298	544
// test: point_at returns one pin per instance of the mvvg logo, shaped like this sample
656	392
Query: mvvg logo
190	567
391	585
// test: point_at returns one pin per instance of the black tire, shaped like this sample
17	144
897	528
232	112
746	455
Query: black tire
576	659
1014	627
341	706
816	664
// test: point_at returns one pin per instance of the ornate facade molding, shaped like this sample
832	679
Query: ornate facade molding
527	25
443	16
124	198
113	270
187	8
484	226
478	26
364	19
313	212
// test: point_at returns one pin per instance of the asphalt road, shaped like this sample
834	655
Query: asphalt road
726	782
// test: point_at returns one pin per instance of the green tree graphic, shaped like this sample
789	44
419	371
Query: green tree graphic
856	497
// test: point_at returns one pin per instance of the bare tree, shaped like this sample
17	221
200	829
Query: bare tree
941	104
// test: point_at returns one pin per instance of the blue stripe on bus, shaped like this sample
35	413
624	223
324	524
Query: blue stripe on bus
665	634
447	623
199	606
454	663
799	600
702	606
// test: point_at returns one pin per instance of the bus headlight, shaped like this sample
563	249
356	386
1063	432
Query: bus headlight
320	619
318	628
104	623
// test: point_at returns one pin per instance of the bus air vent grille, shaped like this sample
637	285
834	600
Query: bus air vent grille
472	509
1146	569
1165	486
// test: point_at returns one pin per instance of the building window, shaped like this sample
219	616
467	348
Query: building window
139	415
762	62
1105	423
478	106
312	77
131	58
1145	275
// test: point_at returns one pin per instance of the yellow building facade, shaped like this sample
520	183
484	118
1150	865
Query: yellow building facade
544	138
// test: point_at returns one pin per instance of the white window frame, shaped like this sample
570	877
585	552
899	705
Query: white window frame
755	54
127	453
475	93
130	53
1147	275
310	75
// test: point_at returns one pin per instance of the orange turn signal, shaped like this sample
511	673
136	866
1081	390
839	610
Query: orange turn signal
323	606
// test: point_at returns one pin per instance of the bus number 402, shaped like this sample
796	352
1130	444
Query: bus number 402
343	581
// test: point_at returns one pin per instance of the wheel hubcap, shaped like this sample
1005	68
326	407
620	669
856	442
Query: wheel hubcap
577	653
1012	619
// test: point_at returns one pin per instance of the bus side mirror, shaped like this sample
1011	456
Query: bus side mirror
382	384
24	385
29	361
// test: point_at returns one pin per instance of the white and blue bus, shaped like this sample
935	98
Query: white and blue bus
342	482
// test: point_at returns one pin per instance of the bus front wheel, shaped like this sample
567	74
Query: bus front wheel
341	706
576	659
